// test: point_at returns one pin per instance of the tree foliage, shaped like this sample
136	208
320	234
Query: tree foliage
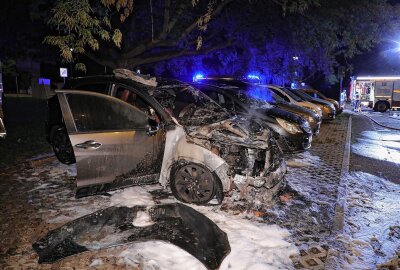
287	40
225	36
80	25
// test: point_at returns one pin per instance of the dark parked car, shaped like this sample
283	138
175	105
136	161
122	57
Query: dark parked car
293	132
328	109
125	129
281	101
316	94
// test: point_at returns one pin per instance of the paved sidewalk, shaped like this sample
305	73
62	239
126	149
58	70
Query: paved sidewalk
313	178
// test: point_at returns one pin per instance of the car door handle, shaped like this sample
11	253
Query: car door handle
88	145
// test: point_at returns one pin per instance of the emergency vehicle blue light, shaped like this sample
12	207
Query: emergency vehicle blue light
253	77
198	76
44	81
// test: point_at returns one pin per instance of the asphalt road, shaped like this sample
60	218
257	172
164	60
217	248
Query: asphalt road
376	149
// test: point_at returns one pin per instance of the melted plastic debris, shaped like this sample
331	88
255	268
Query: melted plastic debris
254	245
175	223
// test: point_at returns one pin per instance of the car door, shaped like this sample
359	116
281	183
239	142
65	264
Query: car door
110	139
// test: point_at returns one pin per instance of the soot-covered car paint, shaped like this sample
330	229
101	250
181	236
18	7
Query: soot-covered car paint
293	132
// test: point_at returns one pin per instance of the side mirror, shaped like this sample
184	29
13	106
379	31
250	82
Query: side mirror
152	128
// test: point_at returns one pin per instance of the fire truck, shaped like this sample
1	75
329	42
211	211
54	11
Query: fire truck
380	93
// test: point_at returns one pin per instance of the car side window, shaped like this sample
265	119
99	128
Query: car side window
99	113
280	95
101	88
222	100
138	102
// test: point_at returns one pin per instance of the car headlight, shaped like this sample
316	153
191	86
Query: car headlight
310	119
329	108
292	128
306	127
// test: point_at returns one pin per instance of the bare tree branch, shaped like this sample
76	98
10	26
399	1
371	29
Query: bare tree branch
167	6
161	39
171	54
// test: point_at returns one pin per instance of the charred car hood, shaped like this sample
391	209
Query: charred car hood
284	114
244	131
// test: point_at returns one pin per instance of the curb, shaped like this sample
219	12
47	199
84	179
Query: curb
340	207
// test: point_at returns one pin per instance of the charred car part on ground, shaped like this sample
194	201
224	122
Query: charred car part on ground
175	223
328	109
172	134
292	131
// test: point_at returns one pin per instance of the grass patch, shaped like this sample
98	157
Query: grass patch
24	118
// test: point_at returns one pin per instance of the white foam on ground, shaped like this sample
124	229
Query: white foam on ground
142	219
160	255
96	262
254	245
373	209
132	196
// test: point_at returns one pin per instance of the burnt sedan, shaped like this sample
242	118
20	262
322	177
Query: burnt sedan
124	130
292	131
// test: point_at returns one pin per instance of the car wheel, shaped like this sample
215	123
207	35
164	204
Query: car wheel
381	106
193	183
62	145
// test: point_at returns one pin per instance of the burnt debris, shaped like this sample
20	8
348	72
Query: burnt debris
175	223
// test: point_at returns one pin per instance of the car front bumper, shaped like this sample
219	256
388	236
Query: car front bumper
295	143
269	182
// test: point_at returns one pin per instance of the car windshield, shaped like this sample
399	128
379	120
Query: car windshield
320	95
190	106
289	93
255	97
301	95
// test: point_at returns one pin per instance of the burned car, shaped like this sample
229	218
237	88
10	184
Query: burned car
124	130
293	132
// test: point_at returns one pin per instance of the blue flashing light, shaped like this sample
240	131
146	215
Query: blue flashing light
197	77
253	77
44	81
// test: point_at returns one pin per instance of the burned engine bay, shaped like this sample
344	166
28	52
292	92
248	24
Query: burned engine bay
247	145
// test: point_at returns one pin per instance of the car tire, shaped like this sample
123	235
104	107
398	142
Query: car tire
61	144
193	183
381	106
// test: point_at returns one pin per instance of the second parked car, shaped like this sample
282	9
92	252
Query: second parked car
293	132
